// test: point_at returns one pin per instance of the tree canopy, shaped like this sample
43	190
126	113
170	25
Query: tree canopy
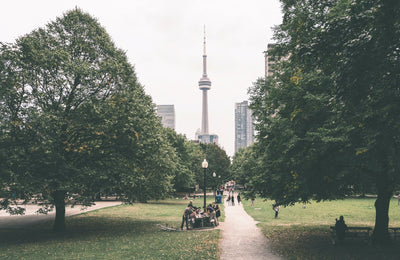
218	162
75	120
327	120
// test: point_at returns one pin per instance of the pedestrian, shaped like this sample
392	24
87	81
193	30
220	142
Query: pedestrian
233	200
228	199
276	209
252	201
238	198
191	206
217	211
212	214
185	217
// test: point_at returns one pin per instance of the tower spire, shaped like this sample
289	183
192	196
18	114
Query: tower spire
204	85
204	82
204	42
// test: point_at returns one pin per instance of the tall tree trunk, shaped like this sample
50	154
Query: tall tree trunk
59	201
380	235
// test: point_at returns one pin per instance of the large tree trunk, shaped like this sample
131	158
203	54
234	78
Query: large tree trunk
59	201
380	235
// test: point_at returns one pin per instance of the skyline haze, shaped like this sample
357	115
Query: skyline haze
164	42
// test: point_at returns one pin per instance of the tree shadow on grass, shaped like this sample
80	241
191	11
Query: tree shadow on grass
317	244
78	228
169	202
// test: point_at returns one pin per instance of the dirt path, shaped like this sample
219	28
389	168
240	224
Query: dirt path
31	218
241	238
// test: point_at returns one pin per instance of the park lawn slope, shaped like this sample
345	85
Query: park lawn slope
302	231
120	232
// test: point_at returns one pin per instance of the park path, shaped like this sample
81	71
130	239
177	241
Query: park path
241	238
31	218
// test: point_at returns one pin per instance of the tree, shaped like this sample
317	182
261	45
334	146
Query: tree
327	125
218	162
183	175
86	123
244	168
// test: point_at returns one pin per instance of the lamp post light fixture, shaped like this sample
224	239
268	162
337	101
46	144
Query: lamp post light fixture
204	164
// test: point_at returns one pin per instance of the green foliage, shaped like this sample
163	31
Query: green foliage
244	164
188	160
328	121
218	162
77	120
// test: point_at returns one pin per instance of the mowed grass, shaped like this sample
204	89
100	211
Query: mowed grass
121	232
302	231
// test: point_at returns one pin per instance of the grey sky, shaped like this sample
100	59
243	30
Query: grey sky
164	41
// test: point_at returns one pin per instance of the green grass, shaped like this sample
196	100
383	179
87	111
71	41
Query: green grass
121	232
303	233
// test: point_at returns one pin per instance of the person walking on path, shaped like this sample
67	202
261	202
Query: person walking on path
233	200
276	209
238	198
242	239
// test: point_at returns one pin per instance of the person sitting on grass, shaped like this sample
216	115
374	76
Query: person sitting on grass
340	228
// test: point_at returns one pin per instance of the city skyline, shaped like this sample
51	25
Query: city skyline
162	40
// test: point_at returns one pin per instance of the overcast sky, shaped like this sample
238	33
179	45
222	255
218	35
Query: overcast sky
164	41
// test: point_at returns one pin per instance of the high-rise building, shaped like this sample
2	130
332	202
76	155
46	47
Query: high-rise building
268	62
244	129
167	115
205	84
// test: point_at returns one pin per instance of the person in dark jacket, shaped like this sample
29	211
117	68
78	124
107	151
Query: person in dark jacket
238	198
217	211
340	228
185	217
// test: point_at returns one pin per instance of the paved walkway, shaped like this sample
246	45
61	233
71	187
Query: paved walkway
241	238
31	218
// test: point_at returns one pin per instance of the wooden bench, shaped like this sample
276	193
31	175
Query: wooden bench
354	233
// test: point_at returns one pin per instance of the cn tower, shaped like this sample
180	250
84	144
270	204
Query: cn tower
204	85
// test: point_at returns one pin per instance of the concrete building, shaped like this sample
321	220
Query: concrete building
268	62
203	135
244	129
167	115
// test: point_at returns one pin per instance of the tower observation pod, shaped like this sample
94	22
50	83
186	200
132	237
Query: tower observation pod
204	85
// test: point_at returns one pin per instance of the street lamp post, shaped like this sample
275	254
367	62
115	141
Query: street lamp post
204	164
214	186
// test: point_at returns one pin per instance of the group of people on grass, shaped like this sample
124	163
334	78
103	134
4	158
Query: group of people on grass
191	213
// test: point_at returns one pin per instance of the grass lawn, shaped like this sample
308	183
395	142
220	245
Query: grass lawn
121	232
303	233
